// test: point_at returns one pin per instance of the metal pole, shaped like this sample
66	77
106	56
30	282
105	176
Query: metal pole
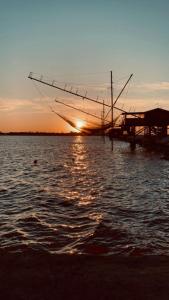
103	120
112	110
111	78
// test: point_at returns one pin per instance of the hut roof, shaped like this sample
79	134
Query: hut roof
153	117
155	110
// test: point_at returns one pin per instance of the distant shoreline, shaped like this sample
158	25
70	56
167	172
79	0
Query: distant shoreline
43	133
46	134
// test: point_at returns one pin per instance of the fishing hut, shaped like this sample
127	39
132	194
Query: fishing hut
146	128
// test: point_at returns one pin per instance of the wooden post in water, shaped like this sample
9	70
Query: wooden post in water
103	118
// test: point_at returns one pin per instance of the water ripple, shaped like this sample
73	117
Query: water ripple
81	197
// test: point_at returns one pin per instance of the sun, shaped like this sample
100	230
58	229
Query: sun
79	124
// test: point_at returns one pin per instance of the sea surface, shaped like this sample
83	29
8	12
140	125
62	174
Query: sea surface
82	197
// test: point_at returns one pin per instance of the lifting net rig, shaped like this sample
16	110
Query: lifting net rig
105	123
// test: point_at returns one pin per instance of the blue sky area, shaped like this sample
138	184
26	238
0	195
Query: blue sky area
67	39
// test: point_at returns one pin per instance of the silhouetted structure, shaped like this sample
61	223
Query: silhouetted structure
152	123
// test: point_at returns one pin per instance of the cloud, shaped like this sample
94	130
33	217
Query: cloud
12	105
156	86
142	104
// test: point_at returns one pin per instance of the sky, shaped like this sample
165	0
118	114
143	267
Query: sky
77	43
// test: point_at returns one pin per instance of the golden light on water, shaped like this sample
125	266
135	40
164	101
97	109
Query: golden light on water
80	124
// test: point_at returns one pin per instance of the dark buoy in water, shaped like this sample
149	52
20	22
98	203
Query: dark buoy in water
35	162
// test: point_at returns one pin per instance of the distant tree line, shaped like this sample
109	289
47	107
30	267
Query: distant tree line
43	133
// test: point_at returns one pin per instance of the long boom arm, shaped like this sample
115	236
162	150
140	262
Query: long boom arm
82	96
70	92
65	90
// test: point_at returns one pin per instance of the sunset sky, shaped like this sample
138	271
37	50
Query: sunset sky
78	43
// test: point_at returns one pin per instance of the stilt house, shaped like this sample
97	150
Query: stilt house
151	122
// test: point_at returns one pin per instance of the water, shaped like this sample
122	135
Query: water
81	197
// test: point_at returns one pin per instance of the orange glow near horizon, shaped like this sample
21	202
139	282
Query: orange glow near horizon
27	122
25	115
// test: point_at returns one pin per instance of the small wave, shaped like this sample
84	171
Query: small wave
14	234
158	221
137	251
104	231
30	219
2	190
